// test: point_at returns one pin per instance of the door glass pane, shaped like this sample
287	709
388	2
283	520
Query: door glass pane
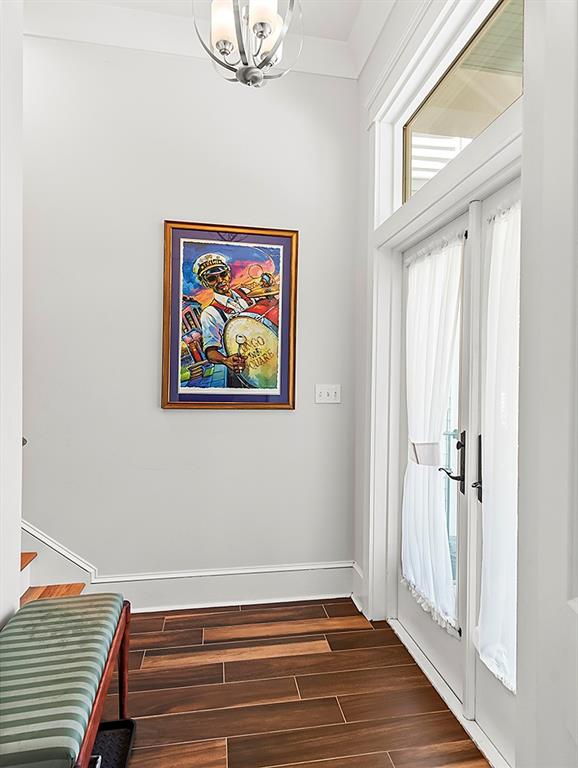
450	459
433	311
481	84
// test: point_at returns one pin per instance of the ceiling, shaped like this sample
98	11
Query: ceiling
332	19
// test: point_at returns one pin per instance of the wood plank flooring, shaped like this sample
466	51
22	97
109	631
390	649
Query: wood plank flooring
310	684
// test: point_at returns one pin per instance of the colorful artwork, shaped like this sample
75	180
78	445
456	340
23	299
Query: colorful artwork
229	317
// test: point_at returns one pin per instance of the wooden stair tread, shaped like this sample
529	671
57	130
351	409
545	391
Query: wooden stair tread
26	558
51	590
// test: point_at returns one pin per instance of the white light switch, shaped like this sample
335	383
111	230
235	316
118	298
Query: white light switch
328	393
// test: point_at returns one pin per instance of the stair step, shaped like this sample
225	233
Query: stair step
51	590
26	558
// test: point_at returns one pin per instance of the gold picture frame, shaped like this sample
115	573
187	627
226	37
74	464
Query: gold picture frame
229	316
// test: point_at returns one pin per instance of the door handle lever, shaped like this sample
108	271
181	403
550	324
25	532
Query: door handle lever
461	478
448	472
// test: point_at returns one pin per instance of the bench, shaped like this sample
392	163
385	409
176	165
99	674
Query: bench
57	659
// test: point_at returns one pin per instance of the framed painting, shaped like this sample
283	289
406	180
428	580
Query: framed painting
229	317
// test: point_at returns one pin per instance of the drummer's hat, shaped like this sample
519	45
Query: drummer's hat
209	263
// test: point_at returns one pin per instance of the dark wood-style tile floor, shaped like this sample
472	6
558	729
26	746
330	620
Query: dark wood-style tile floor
308	684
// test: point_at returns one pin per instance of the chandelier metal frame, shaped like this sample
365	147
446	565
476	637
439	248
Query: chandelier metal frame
250	69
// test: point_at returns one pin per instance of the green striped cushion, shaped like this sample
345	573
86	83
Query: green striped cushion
52	654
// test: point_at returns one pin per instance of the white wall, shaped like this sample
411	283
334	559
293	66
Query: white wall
10	304
116	141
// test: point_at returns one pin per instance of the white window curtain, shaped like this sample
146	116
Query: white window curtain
433	315
497	623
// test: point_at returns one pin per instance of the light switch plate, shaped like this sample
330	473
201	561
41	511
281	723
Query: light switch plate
328	393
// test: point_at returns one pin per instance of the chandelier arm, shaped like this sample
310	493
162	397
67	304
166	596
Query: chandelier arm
278	75
239	31
271	55
220	62
234	64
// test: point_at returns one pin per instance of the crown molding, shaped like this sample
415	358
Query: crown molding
100	24
370	20
397	53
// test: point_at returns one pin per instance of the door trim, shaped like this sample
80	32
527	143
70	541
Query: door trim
493	170
490	162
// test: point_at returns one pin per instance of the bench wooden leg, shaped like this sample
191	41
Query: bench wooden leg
123	667
118	654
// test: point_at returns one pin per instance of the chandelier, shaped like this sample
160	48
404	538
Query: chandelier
247	38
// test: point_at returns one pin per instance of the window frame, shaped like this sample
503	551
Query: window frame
387	114
406	146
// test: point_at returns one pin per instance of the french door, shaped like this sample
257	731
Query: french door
457	576
432	520
495	414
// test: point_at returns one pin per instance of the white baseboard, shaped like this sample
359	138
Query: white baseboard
357	602
208	573
117	578
478	736
357	569
233	604
359	590
233	589
242	589
197	588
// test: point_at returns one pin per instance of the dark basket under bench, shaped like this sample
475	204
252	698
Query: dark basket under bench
113	744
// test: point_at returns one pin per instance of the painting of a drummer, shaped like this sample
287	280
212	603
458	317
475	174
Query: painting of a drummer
214	273
235	319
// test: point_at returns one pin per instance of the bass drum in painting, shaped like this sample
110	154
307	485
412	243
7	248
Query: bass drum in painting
254	335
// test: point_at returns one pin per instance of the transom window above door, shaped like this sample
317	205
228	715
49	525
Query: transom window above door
480	85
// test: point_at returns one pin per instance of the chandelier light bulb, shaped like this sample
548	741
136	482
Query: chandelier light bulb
223	34
262	15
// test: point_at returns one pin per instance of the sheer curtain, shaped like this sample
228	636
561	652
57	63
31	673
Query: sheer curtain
497	624
433	313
